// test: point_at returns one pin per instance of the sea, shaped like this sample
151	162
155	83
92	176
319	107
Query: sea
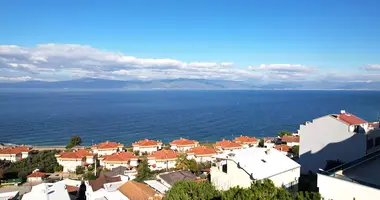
51	117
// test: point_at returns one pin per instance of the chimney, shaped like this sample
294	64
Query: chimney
343	112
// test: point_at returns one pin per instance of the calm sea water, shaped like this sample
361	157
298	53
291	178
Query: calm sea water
51	117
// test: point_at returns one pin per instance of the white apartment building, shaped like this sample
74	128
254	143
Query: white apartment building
183	145
201	154
163	159
246	141
291	140
241	167
14	154
124	159
47	191
70	160
335	136
107	148
146	146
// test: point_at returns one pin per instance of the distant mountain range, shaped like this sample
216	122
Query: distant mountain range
91	83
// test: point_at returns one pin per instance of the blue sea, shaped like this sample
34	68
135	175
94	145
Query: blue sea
51	117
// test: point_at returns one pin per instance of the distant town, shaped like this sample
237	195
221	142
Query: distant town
333	150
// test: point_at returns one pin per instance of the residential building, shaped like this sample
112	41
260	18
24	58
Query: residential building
246	141
70	160
157	185
170	178
105	187
107	148
341	136
139	191
241	167
269	142
291	140
358	179
122	171
146	146
201	154
9	195
48	191
227	145
284	149
36	177
163	159
14	154
125	159
183	144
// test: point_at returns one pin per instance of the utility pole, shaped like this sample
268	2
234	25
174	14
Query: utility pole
95	165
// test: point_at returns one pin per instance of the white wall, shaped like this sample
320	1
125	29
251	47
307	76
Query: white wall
181	148
10	157
326	138
34	179
69	165
114	165
162	164
102	152
338	189
200	159
292	143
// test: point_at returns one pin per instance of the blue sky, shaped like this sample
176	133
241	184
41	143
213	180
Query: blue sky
331	39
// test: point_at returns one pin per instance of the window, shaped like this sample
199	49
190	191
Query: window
224	168
369	143
377	141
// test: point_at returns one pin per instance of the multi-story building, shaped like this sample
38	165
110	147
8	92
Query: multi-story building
163	159
246	141
146	146
201	154
183	144
227	145
14	154
107	148
343	137
124	159
70	160
290	140
241	167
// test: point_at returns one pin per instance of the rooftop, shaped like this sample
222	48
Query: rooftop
107	145
183	142
163	155
138	191
246	139
78	154
8	195
15	150
290	138
283	147
120	156
46	191
172	177
103	179
226	144
36	174
201	150
349	119
147	143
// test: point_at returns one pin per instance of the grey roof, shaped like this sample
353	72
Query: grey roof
173	177
116	171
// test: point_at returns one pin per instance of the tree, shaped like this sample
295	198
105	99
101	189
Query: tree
282	133
74	141
58	168
79	170
295	150
1	173
307	196
189	190
261	143
186	164
143	171
22	175
89	176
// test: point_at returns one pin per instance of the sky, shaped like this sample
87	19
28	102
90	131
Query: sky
252	40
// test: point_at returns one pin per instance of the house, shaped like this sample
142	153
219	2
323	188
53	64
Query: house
157	185
170	178
14	154
47	191
139	191
70	160
122	171
107	148
342	136
291	140
227	145
146	146
241	167
183	145
358	179
269	142
36	177
201	154
9	195
163	159
284	149
246	141
125	159
105	187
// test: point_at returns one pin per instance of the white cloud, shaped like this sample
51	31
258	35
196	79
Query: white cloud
16	79
282	68
372	67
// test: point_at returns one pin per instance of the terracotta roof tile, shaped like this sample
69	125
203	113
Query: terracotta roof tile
226	144
350	119
36	174
15	150
290	138
78	154
147	142
163	155
137	191
201	150
246	140
184	142
283	147
71	188
107	145
120	156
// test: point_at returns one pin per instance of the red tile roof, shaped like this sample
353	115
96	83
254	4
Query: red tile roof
246	140
163	155
107	145
373	124
184	142
120	156
36	174
71	188
290	138
350	119
268	139
146	143
201	150
283	147
226	144
15	150
78	154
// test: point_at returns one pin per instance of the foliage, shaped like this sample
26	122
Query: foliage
332	164
204	165
90	167
282	133
43	160
1	173
74	141
89	176
136	153
307	196
295	150
186	164
79	170
58	168
143	171
261	143
189	190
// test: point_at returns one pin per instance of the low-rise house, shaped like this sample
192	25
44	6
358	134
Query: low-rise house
246	141
157	185
227	145
146	146
241	167
170	178
122	171
105	187
183	145
14	154
358	179
269	142
107	148
139	191
9	195
291	140
70	160
36	177
201	154
48	191
284	149
125	159
163	159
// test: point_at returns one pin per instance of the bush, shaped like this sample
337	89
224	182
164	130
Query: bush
79	170
143	171
58	168
192	190
89	176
